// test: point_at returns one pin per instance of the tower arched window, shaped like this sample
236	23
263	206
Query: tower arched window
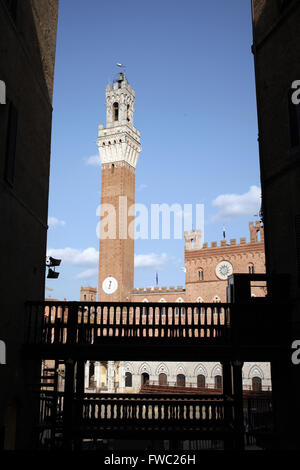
116	111
128	107
200	274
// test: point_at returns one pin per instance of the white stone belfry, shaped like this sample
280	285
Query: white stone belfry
119	140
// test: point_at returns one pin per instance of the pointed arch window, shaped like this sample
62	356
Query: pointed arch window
218	381
201	381
116	111
128	379
145	378
162	379
180	380
256	384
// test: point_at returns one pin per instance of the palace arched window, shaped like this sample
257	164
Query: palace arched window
116	111
162	379
256	384
145	378
201	381
128	379
180	380
251	268
218	381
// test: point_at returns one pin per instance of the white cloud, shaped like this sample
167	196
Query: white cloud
86	258
93	160
231	206
141	187
54	222
89	258
151	260
87	274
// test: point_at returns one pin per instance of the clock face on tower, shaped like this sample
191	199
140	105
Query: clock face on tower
110	285
224	269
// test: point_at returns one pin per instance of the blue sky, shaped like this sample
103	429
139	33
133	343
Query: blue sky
191	66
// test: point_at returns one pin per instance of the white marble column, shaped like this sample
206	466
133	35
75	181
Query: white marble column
97	374
110	376
121	377
86	375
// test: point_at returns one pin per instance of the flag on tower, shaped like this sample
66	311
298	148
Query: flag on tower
224	234
157	279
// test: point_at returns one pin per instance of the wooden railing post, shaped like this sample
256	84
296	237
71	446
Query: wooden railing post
68	404
72	322
237	367
78	411
228	400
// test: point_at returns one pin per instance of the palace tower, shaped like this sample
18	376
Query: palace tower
119	147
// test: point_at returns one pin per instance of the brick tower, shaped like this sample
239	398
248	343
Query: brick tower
119	147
